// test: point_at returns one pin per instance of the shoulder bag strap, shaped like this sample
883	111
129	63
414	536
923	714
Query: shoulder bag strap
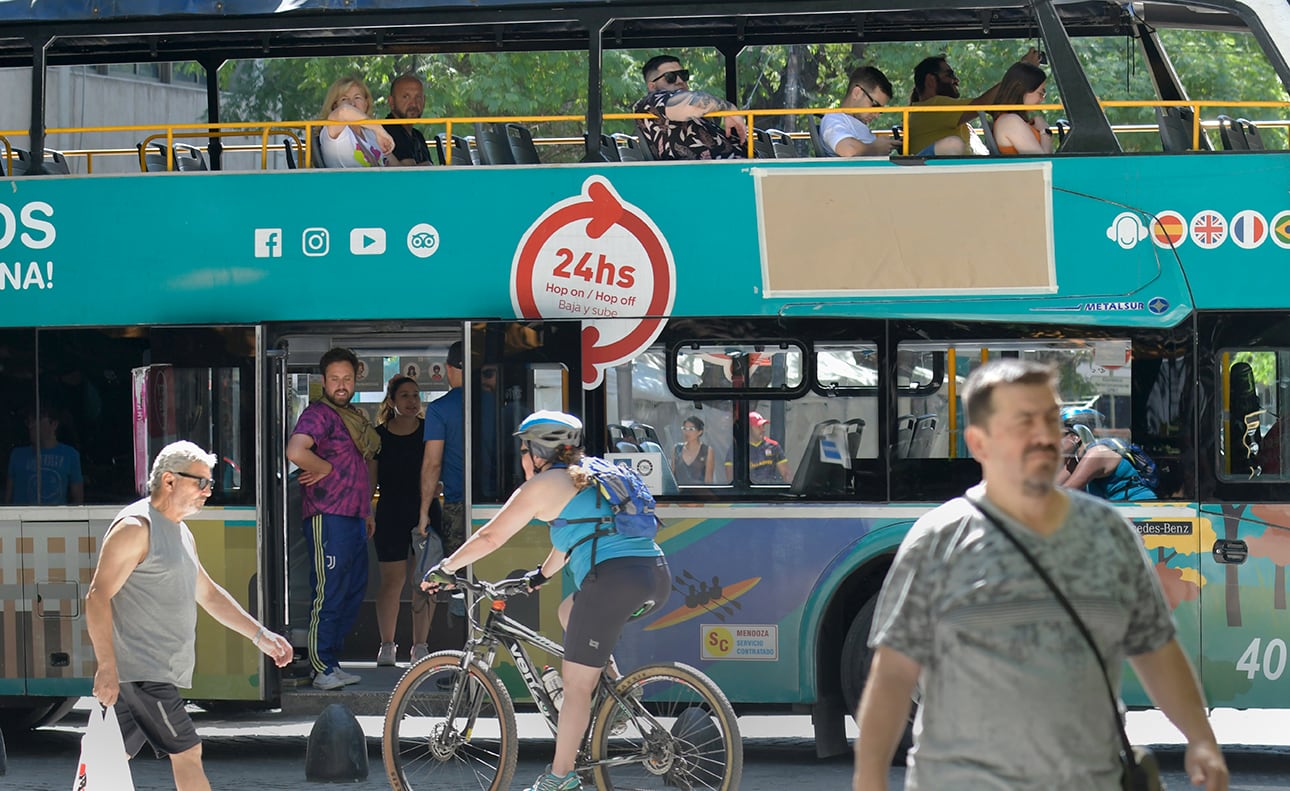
1079	624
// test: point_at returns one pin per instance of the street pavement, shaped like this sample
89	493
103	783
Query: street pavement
265	751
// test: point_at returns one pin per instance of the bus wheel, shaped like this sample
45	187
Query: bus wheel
856	657
44	711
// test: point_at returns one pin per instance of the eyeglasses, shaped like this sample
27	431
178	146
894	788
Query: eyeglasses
872	101
689	428
672	77
202	483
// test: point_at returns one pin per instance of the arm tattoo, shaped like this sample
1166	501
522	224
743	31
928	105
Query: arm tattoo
703	101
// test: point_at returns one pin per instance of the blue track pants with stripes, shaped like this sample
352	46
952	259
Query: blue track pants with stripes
338	576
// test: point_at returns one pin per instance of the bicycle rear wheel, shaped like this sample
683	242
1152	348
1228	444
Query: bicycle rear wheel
443	733
677	731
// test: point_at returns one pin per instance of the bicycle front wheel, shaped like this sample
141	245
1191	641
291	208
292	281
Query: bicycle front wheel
446	731
677	730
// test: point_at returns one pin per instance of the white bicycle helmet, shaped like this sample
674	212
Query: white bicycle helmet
550	430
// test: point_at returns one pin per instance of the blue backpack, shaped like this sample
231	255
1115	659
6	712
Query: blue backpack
1143	465
630	501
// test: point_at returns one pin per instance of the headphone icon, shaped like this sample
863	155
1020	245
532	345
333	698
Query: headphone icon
1127	230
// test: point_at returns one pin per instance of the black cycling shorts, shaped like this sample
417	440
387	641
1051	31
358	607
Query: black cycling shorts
153	712
610	595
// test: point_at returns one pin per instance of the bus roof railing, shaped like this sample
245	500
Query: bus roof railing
302	132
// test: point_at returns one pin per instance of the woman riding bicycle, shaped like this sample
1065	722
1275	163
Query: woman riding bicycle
629	572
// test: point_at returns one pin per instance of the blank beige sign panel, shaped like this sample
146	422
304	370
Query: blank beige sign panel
917	230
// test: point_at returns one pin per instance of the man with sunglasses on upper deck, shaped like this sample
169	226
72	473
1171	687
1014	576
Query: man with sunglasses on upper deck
945	133
678	129
141	613
849	135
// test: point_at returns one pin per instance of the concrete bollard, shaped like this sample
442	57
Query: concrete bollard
337	751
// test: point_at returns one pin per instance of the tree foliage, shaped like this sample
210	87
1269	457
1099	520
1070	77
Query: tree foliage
1212	65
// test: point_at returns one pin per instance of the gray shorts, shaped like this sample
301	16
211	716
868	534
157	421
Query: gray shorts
153	712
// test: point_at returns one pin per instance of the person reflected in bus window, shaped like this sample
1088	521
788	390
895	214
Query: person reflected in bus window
1102	467
849	135
678	128
945	133
397	540
767	463
46	472
1017	132
1245	413
407	100
361	142
692	460
335	448
966	618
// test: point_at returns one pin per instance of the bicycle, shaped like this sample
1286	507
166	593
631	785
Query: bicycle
450	721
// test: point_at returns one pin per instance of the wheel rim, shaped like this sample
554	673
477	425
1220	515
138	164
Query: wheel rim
432	751
681	740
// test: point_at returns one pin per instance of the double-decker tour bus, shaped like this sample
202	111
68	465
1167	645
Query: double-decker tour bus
841	301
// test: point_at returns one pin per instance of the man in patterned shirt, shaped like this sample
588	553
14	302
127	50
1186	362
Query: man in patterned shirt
1012	695
678	129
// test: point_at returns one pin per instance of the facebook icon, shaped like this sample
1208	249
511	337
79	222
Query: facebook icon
268	242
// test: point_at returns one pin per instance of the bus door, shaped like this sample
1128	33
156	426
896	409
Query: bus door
1245	510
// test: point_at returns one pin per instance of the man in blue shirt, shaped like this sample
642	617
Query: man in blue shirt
50	476
444	459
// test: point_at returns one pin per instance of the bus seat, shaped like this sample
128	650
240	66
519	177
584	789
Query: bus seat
461	153
817	142
783	144
824	464
855	430
521	142
904	436
608	149
642	432
154	157
1063	129
1175	128
1229	135
316	158
987	132
289	148
763	147
920	444
189	158
55	164
629	148
1250	133
493	144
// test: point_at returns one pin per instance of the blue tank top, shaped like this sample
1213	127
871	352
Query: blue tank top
1122	485
587	504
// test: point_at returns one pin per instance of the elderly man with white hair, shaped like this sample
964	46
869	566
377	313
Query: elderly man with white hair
141	611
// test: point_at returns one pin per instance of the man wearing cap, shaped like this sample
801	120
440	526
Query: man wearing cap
444	459
766	461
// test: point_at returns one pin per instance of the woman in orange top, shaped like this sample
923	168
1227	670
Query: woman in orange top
1016	132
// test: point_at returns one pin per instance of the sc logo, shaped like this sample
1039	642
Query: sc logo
423	240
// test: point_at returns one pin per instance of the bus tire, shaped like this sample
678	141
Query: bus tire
856	658
43	711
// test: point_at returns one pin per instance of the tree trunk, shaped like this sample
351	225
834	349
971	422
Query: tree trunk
1279	588
1232	583
793	83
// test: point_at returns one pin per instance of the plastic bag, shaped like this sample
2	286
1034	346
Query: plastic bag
429	551
104	766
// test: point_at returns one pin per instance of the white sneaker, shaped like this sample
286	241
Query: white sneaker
385	656
329	681
347	678
419	651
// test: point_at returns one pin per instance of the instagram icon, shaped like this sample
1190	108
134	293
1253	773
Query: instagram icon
315	242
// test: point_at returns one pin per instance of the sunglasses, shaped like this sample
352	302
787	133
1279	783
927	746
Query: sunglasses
202	483
872	101
672	77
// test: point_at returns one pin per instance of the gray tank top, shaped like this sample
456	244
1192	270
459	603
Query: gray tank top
154	615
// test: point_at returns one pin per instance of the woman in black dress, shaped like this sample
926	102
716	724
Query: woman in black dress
692	460
398	475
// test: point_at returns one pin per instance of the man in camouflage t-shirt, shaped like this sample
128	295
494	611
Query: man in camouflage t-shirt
1012	696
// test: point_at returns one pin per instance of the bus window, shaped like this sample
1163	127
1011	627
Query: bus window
1254	387
717	368
17	399
692	438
